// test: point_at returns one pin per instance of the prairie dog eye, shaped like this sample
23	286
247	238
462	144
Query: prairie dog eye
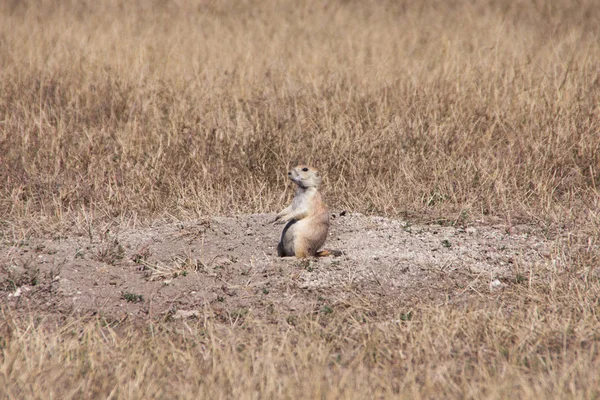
290	173
304	169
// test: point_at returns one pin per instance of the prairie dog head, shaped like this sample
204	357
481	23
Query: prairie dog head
305	176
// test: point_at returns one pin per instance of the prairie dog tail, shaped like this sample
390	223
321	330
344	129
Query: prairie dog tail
328	252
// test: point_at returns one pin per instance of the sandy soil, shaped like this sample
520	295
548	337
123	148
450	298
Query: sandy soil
229	265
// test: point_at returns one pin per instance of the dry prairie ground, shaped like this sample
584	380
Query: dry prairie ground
143	150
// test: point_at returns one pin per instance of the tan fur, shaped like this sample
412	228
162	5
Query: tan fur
307	217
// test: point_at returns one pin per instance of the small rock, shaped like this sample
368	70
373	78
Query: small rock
185	314
495	284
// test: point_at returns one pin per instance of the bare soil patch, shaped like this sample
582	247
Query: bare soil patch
229	265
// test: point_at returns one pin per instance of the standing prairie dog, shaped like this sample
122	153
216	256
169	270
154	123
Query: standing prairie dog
307	217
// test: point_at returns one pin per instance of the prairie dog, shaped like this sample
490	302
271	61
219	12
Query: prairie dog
307	217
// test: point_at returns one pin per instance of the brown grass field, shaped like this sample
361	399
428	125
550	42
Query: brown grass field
128	114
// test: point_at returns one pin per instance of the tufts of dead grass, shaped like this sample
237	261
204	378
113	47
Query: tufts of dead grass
129	110
529	342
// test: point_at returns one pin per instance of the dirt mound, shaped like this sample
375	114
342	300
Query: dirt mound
229	264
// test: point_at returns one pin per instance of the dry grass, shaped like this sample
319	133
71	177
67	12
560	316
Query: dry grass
131	109
533	342
125	112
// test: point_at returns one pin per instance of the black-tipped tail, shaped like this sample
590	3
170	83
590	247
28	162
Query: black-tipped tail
329	252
